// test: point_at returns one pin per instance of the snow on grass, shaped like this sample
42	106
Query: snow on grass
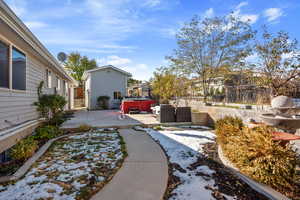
74	166
184	147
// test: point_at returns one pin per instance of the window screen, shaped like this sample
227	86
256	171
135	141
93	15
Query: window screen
4	65
18	70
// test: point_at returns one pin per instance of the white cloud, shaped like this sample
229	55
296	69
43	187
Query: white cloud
245	17
209	13
273	14
152	3
249	18
107	49
242	4
35	24
114	60
139	71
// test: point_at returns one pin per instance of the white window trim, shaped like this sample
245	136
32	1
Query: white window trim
11	45
49	78
58	86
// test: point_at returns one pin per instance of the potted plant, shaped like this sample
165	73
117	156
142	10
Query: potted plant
103	102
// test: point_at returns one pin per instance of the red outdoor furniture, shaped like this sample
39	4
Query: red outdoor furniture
136	105
283	137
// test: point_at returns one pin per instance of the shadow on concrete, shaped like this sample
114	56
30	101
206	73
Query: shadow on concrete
108	118
194	136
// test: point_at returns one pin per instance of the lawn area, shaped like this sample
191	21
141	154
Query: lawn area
193	175
75	167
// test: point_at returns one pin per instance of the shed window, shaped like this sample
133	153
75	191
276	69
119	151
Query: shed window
4	65
18	70
117	95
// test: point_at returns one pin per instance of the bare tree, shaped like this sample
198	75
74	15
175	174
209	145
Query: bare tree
207	48
278	62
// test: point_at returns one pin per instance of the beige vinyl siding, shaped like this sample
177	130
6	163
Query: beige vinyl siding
17	107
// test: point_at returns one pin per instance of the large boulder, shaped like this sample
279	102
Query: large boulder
282	102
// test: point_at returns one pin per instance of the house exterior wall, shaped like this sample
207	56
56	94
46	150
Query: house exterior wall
16	106
104	83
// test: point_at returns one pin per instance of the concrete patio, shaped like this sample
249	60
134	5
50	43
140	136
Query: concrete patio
111	118
105	118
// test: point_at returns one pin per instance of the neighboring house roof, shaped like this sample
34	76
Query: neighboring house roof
9	17
105	67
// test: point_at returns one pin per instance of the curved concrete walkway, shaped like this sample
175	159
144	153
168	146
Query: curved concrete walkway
144	174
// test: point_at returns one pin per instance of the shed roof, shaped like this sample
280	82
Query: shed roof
106	67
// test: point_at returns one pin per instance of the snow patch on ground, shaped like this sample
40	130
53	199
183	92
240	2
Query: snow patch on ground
68	167
184	147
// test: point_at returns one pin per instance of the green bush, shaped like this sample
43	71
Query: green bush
57	119
46	132
256	154
157	128
24	149
50	106
103	102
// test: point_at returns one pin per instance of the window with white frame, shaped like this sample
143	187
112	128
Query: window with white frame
58	83
67	89
4	65
48	78
12	67
18	70
64	87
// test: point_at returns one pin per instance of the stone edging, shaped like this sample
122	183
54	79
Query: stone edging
259	187
26	166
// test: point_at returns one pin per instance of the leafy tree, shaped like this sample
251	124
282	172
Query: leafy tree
132	81
278	64
167	84
211	92
76	65
209	47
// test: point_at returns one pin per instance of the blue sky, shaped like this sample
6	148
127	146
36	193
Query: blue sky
136	35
